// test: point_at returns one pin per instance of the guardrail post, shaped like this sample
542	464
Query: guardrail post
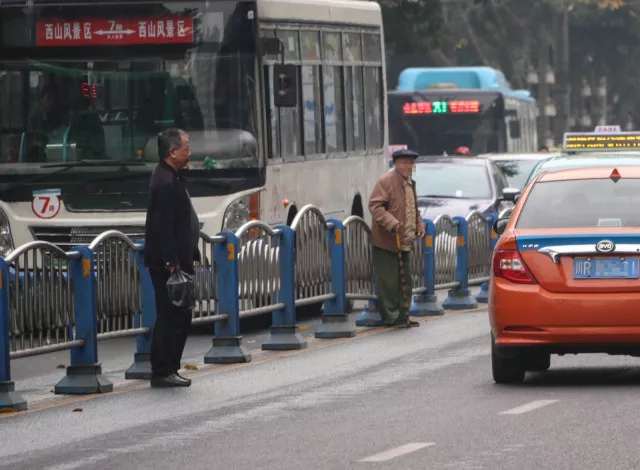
460	297
284	334
8	397
84	375
335	321
141	367
227	347
427	304
483	295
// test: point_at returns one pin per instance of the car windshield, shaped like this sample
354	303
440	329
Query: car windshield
582	203
516	171
98	82
449	180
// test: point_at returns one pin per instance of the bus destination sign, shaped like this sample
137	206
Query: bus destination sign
443	107
601	141
104	32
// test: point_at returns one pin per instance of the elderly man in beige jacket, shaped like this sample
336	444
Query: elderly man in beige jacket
396	225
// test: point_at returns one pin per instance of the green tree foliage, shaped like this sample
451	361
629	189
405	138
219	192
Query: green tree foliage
412	23
509	34
604	42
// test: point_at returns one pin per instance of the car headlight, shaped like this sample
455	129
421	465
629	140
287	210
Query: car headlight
241	211
6	240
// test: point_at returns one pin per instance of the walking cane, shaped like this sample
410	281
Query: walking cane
404	288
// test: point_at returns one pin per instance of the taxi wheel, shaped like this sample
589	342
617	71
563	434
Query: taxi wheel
506	370
539	363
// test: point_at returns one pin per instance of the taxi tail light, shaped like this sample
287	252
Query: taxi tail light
507	264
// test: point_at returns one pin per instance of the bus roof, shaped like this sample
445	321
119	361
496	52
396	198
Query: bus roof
354	12
474	78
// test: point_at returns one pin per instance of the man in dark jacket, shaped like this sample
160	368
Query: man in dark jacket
171	242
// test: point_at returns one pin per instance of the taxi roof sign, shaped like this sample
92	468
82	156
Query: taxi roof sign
599	141
607	129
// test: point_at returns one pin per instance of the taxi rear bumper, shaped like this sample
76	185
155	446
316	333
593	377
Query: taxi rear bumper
530	317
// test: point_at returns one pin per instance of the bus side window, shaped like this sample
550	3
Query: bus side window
290	141
273	115
334	109
311	93
373	91
354	93
373	104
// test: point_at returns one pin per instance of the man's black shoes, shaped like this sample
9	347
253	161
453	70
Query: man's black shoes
184	378
404	322
173	380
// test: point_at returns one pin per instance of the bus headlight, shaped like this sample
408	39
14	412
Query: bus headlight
241	211
6	240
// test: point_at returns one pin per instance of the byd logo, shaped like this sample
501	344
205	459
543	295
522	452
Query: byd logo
605	246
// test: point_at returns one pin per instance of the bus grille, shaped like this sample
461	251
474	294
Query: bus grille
68	237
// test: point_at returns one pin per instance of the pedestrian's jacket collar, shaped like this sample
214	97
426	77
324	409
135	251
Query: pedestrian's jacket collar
402	178
166	166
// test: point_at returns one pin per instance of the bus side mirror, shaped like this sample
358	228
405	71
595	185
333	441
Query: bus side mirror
500	226
270	46
285	86
514	129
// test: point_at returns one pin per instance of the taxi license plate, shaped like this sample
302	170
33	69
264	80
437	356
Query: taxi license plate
605	268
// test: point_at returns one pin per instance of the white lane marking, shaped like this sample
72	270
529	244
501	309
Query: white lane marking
397	452
534	405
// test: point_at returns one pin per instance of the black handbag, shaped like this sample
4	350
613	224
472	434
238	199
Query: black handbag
181	289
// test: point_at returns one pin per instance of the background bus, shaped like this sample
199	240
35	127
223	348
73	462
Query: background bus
85	88
436	110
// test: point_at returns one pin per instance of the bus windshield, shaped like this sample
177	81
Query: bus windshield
99	81
434	127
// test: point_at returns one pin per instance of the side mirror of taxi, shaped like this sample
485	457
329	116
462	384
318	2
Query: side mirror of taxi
511	194
500	225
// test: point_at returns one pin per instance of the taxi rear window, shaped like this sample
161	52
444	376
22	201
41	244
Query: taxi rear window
582	203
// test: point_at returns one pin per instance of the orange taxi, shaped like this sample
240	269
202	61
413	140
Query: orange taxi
565	271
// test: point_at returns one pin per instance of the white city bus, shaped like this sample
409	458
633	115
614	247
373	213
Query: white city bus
86	86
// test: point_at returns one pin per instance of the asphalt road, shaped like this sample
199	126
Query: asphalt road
402	399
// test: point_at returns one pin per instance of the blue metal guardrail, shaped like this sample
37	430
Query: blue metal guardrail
52	300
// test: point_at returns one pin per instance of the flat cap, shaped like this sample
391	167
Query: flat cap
404	153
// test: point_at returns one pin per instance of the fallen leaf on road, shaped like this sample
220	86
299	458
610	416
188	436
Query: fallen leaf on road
303	328
190	367
76	410
60	366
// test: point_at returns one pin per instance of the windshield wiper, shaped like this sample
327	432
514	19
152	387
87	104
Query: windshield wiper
82	163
